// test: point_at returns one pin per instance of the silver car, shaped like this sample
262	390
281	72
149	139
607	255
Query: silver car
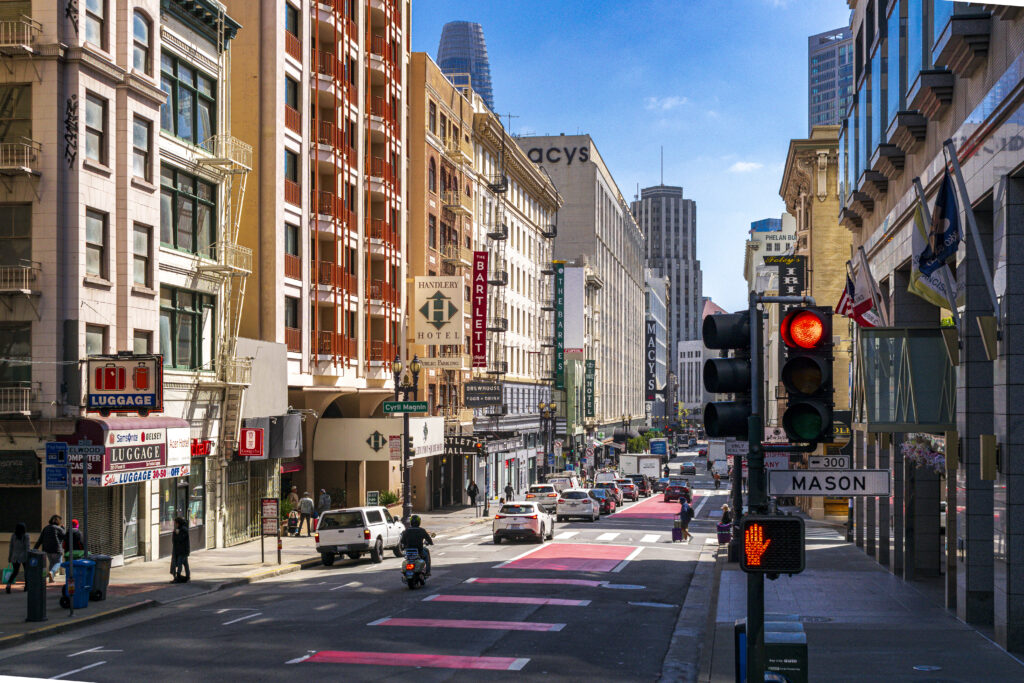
522	520
577	503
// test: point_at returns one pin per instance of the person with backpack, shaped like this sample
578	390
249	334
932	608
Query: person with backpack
50	539
685	515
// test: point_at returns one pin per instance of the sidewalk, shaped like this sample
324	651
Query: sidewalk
140	585
862	623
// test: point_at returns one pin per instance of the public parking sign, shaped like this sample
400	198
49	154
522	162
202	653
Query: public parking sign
56	453
56	478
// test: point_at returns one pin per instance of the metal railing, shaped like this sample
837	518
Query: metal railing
19	278
16	398
234	256
18	32
19	155
229	148
237	370
457	253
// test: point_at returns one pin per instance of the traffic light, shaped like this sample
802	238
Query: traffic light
807	374
772	545
725	332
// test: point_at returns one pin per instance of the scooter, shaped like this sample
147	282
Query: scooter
414	569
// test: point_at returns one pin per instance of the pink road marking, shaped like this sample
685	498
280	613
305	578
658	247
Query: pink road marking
469	623
558	582
654	507
573	557
404	659
507	600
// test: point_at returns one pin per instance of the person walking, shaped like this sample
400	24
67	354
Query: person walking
73	541
472	491
510	492
180	547
685	515
726	515
17	553
306	512
293	497
324	504
50	540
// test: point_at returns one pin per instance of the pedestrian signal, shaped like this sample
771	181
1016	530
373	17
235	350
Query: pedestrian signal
772	545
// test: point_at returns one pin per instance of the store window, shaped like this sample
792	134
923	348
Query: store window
186	329
184	497
15	352
187	210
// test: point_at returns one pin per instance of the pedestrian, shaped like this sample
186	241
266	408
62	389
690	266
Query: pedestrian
179	551
472	490
306	512
50	539
685	515
293	497
726	515
324	504
718	480
510	492
17	553
73	541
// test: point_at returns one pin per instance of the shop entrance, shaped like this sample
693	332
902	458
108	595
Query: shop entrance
130	517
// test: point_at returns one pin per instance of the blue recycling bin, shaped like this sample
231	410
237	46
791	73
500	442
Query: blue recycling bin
83	575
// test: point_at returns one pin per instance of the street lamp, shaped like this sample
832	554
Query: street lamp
547	424
406	388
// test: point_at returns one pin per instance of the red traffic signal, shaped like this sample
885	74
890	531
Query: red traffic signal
804	328
807	374
772	545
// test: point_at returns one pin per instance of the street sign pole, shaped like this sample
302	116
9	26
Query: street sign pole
85	498
68	583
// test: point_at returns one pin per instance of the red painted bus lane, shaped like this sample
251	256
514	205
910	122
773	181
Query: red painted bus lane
567	557
507	600
554	582
406	659
654	507
468	623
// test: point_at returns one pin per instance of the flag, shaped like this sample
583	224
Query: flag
929	286
945	234
856	302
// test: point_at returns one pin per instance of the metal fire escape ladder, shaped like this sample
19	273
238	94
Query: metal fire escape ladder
498	278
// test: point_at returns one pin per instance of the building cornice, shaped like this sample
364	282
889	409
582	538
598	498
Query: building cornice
491	134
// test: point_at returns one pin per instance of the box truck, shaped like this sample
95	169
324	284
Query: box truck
640	463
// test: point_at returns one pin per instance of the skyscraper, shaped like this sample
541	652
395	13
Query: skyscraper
462	56
669	223
829	77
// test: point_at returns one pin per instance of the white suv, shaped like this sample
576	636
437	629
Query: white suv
354	531
577	503
522	520
544	495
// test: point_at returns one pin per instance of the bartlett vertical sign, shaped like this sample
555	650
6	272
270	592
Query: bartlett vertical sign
479	332
437	316
559	325
650	359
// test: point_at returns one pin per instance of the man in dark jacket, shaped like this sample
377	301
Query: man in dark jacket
418	538
510	493
74	538
180	548
50	539
472	491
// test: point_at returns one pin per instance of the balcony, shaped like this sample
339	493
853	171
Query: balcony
932	92
325	342
498	278
497	367
547	304
231	258
16	398
292	267
327	204
547	269
456	202
293	339
292	193
227	152
963	43
326	133
457	255
907	131
292	118
17	158
19	279
381	352
236	370
327	64
325	273
453	150
550	232
498	233
381	230
293	46
382	291
498	184
17	36
497	324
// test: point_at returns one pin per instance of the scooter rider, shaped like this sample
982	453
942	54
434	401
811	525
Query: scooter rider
418	538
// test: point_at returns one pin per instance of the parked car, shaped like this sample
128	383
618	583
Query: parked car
660	484
522	520
688	468
577	503
612	488
354	531
677	489
643	484
544	494
629	489
606	500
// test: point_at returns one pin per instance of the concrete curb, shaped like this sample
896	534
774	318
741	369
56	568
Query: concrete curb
707	654
686	649
54	629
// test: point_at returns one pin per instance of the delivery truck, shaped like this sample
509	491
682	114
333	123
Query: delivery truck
640	463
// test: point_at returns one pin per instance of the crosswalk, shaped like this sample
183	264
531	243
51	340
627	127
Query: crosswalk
468	540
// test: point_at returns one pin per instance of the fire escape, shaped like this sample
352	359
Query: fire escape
498	279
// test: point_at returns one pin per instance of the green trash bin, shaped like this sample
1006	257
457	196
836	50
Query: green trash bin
101	577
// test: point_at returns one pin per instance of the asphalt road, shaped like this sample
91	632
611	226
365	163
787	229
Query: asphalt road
503	612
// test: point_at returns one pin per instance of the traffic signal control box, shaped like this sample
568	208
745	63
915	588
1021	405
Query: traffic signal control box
772	544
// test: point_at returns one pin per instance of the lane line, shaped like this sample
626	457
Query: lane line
508	600
630	557
350	584
469	623
703	500
300	659
575	557
68	673
520	556
419	660
653	604
91	649
247	616
651	538
566	534
555	582
459	538
608	536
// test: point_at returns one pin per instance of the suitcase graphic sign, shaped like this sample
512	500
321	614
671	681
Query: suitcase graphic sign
125	383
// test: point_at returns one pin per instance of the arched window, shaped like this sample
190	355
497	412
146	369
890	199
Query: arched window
141	31
432	177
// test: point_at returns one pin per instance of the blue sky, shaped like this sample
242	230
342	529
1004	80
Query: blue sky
721	84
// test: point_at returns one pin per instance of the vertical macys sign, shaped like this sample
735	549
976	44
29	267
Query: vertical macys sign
650	359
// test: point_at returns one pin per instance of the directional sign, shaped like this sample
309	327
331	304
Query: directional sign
56	453
56	478
829	462
734	447
391	407
86	450
829	483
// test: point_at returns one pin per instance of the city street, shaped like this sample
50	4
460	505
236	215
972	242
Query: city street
600	600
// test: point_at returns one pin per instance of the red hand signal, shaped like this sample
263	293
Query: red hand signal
755	544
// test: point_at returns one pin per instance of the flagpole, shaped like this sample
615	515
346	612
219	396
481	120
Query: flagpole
950	291
876	293
986	272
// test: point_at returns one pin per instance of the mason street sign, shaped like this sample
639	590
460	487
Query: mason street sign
829	483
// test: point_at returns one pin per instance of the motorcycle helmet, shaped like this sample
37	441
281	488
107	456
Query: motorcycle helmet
414	520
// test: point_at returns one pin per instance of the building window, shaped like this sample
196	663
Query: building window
291	92
291	166
15	234
186	328
187	210
142	342
291	312
432	177
291	19
96	129
141	29
433	118
141	142
95	340
190	110
291	239
432	232
16	116
95	243
15	345
140	254
95	22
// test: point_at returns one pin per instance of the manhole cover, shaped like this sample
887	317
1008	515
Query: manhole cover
815	620
927	667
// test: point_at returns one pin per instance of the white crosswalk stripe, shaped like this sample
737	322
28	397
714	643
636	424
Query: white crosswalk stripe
650	538
608	536
566	535
459	538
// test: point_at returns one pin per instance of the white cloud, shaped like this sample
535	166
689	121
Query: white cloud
745	166
664	103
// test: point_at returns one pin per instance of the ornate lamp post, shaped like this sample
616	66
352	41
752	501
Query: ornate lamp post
406	388
547	425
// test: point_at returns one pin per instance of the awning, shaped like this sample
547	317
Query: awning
286	436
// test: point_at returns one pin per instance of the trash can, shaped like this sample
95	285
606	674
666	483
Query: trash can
101	577
83	573
724	533
786	653
35	585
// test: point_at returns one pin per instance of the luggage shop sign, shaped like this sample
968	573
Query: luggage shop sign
125	383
